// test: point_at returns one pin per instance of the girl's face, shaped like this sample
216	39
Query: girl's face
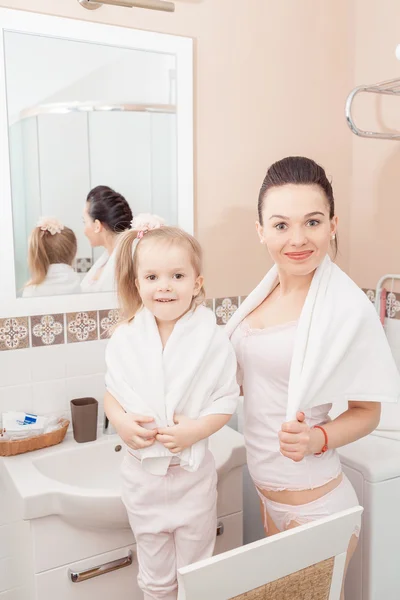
92	228
296	229
166	279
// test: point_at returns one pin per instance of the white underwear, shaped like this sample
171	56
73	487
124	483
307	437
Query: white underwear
340	498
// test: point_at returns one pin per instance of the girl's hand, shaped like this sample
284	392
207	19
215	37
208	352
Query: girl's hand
184	434
135	436
295	438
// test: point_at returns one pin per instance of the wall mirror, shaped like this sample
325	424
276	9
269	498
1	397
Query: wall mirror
89	111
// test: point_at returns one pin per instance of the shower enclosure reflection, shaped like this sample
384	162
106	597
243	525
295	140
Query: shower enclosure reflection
61	151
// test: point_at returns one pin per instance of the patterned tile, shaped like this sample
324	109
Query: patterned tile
82	327
107	320
370	294
47	330
224	308
393	305
83	265
14	333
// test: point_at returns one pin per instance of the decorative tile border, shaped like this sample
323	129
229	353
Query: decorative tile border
70	328
82	327
107	320
14	333
47	330
224	308
370	294
392	303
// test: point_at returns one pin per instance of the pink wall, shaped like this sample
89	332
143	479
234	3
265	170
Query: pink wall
271	79
375	184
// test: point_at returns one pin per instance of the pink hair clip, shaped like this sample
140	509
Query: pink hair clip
145	222
50	224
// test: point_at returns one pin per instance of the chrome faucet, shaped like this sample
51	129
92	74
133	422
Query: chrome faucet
108	429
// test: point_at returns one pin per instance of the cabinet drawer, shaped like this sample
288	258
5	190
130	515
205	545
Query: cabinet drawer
121	583
229	533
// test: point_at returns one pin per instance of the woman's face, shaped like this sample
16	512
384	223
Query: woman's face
92	228
296	230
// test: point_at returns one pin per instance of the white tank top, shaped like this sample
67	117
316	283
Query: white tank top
264	358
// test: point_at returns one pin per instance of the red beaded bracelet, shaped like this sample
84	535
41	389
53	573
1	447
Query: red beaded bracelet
325	446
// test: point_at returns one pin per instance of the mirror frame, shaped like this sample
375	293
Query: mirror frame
51	26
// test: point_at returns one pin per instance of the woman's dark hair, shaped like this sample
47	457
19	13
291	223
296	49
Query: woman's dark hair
297	170
110	208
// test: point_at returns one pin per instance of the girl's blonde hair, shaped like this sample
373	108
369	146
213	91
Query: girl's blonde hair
127	260
46	249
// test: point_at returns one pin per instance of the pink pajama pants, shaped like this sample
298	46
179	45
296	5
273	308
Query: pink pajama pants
173	518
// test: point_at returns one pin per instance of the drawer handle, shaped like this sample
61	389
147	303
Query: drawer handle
114	565
220	529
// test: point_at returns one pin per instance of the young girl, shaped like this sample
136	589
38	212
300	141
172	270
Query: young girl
51	253
305	338
171	383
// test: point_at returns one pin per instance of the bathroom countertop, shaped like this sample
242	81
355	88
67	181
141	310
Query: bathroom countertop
82	480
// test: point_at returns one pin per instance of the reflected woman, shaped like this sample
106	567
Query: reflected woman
51	254
106	214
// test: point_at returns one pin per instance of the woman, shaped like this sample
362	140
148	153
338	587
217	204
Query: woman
305	338
106	214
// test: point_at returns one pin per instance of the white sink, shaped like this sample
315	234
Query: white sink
92	466
80	482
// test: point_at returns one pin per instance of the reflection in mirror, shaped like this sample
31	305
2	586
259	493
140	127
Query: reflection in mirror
106	214
90	146
52	251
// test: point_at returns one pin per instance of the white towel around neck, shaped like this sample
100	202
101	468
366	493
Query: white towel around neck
341	352
60	279
194	375
106	281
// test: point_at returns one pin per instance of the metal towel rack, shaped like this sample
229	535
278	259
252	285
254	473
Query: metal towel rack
387	88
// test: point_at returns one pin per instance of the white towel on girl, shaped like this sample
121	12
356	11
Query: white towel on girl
60	279
195	376
341	352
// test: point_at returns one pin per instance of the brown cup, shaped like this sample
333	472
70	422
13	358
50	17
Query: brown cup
84	419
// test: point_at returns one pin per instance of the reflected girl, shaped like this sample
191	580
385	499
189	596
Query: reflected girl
106	214
52	251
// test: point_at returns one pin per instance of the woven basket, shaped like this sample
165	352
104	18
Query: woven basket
13	447
311	583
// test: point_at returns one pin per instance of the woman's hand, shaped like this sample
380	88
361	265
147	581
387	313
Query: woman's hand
129	430
184	434
298	440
